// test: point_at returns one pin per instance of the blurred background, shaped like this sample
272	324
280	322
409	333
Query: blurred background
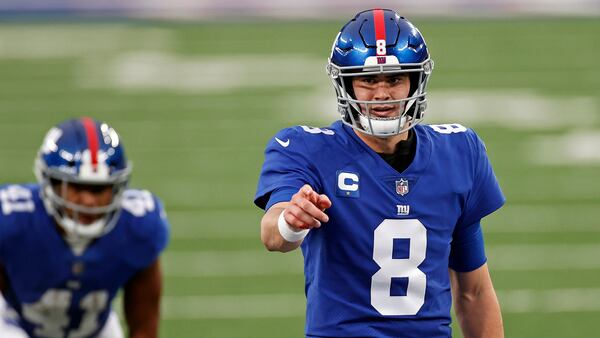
197	88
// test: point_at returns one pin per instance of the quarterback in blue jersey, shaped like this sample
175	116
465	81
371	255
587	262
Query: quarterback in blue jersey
386	210
71	241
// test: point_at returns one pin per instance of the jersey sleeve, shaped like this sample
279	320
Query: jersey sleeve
149	231
161	224
17	205
485	195
287	167
467	251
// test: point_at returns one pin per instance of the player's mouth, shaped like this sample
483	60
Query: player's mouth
83	218
88	218
388	110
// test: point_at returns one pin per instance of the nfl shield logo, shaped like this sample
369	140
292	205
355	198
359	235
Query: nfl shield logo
402	187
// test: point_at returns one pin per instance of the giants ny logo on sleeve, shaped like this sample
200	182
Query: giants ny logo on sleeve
347	184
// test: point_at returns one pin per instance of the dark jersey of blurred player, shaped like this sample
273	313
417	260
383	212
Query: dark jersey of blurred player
44	274
71	241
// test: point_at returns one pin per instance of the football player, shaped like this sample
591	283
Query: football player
71	241
386	210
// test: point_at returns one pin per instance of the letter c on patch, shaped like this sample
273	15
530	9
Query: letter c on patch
348	181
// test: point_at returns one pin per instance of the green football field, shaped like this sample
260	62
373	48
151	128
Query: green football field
195	104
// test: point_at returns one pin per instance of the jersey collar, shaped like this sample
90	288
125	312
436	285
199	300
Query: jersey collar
419	163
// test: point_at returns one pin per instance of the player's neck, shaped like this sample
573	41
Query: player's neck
77	245
382	145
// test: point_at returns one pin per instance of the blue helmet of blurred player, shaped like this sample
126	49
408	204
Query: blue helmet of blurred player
82	153
380	41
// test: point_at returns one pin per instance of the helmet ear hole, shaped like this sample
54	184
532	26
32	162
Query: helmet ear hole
349	87
414	82
420	113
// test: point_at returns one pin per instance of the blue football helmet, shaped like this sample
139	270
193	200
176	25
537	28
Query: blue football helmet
379	41
88	152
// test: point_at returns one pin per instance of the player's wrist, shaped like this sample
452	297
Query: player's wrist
288	232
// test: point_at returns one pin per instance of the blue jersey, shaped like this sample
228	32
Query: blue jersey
379	267
57	293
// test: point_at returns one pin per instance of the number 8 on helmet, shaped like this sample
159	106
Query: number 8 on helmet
379	41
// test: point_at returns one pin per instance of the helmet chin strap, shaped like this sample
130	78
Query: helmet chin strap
86	231
80	235
382	127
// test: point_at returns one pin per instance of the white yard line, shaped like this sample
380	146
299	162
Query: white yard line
144	70
574	147
540	257
516	109
293	305
558	229
517	219
514	257
550	301
234	306
69	41
521	218
231	263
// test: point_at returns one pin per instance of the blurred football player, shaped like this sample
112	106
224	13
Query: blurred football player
387	211
71	241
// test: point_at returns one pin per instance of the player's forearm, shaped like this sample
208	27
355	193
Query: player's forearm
479	314
142	321
269	232
141	301
475	303
143	318
150	330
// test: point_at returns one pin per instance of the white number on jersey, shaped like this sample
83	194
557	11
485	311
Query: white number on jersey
50	313
448	128
313	130
15	198
138	202
94	303
381	281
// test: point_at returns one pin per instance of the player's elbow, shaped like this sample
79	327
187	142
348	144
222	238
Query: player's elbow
268	238
268	242
273	242
269	233
273	248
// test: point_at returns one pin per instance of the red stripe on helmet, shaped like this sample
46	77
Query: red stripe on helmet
379	18
92	139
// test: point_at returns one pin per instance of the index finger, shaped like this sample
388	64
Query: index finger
309	193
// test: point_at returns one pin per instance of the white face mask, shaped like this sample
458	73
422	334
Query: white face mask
92	230
382	126
74	230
